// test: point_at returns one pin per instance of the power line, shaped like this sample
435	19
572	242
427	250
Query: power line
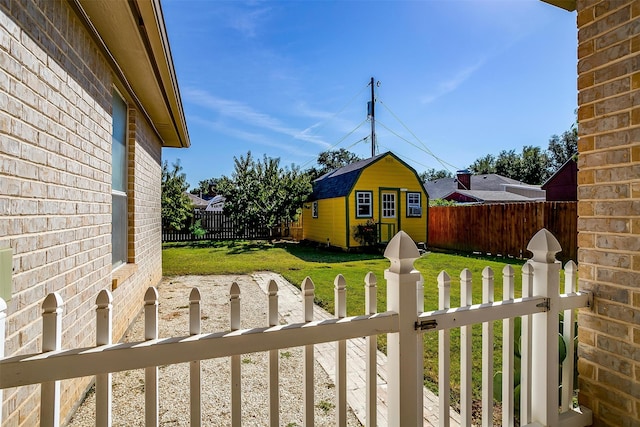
425	148
339	141
441	161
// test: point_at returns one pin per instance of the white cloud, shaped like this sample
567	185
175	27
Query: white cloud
248	117
451	84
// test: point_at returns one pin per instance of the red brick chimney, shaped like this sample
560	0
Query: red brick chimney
464	179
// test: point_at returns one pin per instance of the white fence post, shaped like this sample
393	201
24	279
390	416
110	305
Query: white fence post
274	363
420	367
444	352
236	385
340	290
403	346
544	329
194	366
308	293
3	319
51	341
104	327
151	373
370	303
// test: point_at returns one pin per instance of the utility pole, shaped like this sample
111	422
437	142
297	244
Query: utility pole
372	114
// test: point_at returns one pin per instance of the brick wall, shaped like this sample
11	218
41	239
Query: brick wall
55	188
609	208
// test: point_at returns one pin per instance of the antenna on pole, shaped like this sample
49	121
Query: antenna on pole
372	116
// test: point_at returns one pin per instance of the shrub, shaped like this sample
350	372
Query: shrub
366	234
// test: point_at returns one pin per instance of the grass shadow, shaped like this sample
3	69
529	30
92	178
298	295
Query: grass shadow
316	254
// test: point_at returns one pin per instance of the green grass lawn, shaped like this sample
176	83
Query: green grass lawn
295	262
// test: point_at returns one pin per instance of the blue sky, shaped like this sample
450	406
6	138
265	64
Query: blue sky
459	79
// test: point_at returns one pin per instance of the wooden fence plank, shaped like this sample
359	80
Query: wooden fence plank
503	228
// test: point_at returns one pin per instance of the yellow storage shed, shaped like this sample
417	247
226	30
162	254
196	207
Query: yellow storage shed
382	192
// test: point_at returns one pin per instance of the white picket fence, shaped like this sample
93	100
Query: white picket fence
404	322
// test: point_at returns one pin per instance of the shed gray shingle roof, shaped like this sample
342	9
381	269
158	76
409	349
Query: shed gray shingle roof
339	182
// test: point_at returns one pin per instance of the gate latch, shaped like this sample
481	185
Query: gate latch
426	325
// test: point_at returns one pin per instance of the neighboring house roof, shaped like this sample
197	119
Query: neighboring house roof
486	196
133	38
339	182
485	188
196	201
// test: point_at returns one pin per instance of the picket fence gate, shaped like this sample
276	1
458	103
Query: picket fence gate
404	322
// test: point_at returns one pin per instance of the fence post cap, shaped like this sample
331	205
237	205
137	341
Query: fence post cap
104	299
151	295
52	303
402	252
544	246
194	295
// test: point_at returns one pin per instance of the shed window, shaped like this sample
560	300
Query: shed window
314	209
363	204
414	205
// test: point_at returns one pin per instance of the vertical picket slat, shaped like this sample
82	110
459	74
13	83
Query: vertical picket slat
525	349
466	397
236	390
487	351
151	373
104	328
569	319
340	287
274	377
507	350
370	303
3	320
308	292
444	347
195	386
51	341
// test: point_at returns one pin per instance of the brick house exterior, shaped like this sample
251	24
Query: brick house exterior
609	207
64	68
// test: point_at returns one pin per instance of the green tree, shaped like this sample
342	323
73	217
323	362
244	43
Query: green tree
206	188
176	206
484	165
263	192
562	148
432	174
509	164
534	165
330	160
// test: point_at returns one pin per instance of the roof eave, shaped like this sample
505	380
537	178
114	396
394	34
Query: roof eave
569	5
133	37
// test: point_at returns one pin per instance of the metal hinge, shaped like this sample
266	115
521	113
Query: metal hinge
546	304
426	324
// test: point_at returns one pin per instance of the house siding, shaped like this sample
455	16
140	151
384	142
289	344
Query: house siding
55	189
609	208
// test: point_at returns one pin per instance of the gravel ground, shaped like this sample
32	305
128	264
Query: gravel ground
128	386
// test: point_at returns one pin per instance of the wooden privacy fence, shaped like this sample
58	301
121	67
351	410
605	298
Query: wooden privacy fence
503	229
219	226
404	322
